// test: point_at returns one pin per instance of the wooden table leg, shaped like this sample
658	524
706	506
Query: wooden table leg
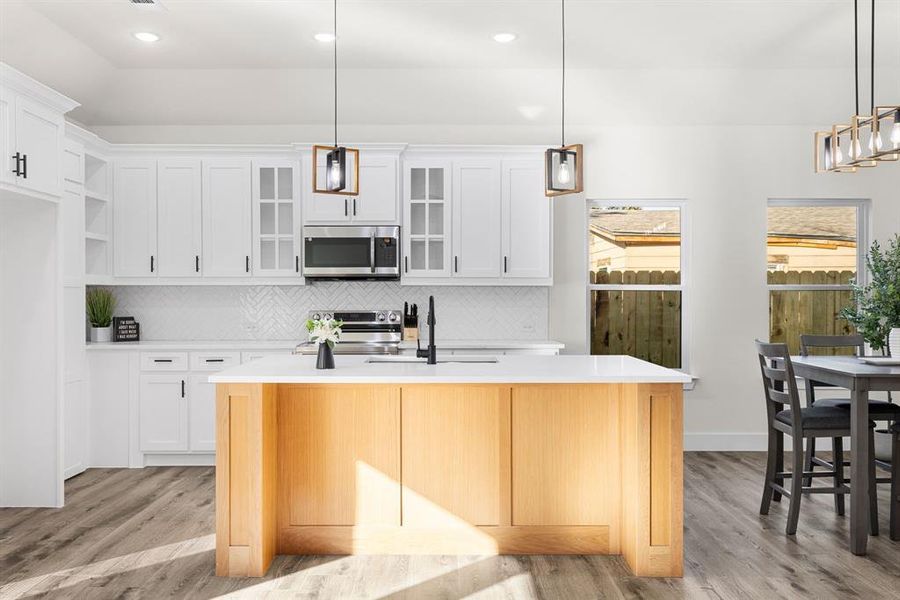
859	468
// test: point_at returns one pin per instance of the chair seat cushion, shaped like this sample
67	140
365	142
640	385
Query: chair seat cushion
877	408
818	417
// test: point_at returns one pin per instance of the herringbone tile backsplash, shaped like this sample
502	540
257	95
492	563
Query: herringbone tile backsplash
279	312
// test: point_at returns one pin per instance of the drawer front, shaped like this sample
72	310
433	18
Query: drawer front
214	361
164	361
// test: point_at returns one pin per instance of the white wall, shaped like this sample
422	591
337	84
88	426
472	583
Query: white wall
30	418
726	174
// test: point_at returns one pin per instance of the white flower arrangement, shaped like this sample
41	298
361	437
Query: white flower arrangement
324	331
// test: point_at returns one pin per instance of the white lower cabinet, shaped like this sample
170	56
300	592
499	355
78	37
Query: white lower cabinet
202	413
163	412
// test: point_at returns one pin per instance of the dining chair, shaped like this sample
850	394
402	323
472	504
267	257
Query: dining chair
802	424
879	410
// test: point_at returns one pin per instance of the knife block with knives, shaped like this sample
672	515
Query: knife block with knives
410	322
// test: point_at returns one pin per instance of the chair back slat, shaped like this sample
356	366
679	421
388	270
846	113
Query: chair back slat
831	341
779	383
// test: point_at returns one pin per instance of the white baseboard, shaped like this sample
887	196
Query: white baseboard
179	460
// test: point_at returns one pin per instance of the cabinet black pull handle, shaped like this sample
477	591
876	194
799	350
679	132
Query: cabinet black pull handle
18	157
151	264
456	264
504	264
24	166
297	264
247	264
217	360
354	207
197	263
182	388
162	360
345	207
406	264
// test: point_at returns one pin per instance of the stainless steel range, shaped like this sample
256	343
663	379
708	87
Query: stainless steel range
363	332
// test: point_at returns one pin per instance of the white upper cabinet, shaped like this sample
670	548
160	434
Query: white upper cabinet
7	137
527	225
39	137
376	204
31	134
426	218
476	218
276	218
178	214
134	217
226	218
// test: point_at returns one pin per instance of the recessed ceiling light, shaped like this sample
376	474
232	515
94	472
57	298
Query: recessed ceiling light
146	36
324	37
504	38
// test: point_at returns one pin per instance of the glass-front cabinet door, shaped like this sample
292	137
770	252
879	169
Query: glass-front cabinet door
426	219
276	218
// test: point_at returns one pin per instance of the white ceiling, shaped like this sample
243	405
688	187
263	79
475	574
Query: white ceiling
216	34
433	61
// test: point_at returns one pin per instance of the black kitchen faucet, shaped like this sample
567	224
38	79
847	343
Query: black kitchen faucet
430	352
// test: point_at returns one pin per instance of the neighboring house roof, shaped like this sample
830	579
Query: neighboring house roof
831	225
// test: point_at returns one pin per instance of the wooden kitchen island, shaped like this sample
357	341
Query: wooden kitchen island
529	455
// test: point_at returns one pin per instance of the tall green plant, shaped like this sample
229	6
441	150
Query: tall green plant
100	306
876	306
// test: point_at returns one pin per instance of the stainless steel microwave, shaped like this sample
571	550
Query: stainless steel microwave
351	252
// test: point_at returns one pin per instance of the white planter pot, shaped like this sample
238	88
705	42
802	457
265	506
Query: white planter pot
894	342
101	334
883	445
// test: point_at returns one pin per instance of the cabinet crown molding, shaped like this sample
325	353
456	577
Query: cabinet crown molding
24	85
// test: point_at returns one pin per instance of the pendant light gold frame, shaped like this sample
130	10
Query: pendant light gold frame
577	149
352	188
351	185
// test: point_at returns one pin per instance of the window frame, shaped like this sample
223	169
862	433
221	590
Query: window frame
863	208
684	259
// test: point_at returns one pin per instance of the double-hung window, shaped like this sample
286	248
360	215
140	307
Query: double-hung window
637	275
814	249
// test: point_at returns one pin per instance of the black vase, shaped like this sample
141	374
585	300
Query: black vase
325	359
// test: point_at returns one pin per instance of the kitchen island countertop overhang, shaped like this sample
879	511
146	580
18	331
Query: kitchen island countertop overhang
507	369
525	455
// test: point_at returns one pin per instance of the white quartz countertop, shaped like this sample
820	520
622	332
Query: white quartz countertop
507	369
169	346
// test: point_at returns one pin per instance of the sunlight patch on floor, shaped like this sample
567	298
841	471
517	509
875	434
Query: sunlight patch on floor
111	566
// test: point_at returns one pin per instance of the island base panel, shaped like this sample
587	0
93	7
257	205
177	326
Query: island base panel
554	469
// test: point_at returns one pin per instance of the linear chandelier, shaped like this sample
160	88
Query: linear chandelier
841	150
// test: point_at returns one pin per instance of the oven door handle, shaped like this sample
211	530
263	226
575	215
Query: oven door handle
372	251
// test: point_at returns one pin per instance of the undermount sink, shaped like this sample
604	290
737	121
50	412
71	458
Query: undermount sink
441	359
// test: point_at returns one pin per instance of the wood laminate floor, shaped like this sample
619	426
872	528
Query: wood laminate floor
149	534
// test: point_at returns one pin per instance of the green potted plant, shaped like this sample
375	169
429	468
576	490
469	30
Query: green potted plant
875	311
100	306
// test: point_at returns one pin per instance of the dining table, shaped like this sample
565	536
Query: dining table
860	378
